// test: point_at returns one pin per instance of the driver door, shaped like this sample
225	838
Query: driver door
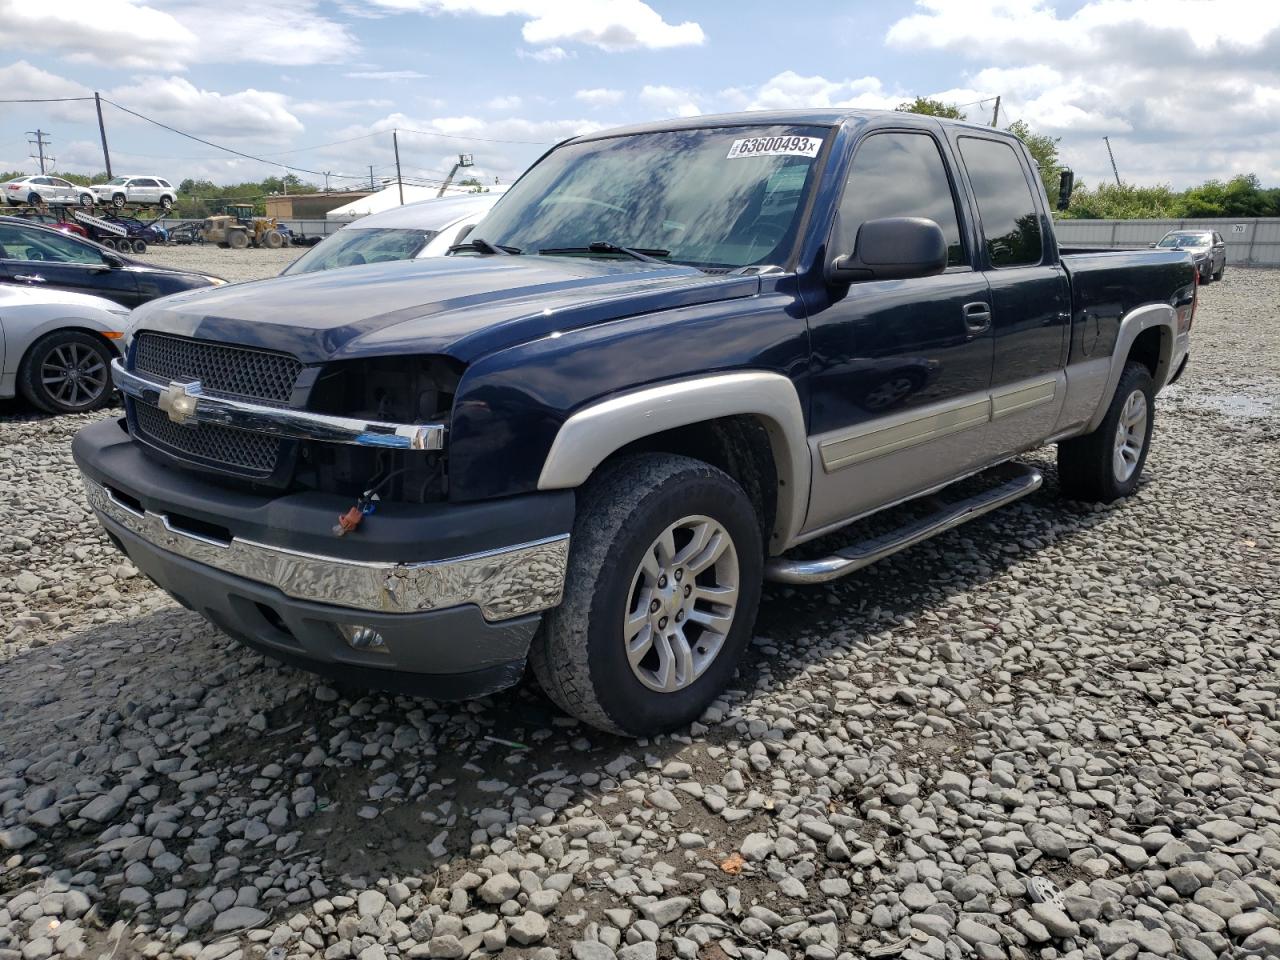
51	260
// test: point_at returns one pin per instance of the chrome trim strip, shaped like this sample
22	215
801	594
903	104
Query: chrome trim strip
504	583
276	421
874	440
1017	398
858	555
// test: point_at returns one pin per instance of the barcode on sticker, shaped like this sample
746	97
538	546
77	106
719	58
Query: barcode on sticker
774	147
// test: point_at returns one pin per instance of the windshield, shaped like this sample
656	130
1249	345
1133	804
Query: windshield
353	246
1185	240
117	182
714	198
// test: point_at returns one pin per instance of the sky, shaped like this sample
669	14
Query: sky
1185	89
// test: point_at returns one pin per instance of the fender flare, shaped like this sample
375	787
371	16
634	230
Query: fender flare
597	431
1135	322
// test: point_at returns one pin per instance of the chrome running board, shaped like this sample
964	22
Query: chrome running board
858	555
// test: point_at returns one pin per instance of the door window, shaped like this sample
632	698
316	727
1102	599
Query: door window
1006	205
21	243
143	182
899	175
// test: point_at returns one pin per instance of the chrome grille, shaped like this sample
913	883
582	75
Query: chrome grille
238	450
234	371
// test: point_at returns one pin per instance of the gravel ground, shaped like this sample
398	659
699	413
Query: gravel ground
234	265
1086	695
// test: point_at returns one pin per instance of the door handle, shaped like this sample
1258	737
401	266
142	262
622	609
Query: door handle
29	277
977	317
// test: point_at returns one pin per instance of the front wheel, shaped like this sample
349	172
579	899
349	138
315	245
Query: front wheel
660	596
139	246
67	371
117	200
1106	465
86	200
1221	270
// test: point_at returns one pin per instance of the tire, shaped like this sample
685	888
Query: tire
1221	271
117	200
109	243
166	204
273	239
86	200
34	200
1094	467
61	351
139	246
580	656
237	239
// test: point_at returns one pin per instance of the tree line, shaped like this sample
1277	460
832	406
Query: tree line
1241	196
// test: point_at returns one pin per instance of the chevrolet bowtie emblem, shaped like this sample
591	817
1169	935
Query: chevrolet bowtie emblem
179	400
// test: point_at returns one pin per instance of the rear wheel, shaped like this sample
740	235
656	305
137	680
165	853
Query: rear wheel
660	596
166	204
273	239
237	239
68	371
1107	464
34	199
1221	270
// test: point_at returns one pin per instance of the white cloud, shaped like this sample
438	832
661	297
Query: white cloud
1184	96
504	103
386	75
599	96
546	54
611	25
790	89
670	101
258	115
22	80
171	34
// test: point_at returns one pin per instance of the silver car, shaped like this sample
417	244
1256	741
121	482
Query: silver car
32	191
1206	246
56	347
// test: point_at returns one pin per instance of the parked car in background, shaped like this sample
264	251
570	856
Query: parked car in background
56	347
55	221
123	190
22	191
1206	246
427	228
35	255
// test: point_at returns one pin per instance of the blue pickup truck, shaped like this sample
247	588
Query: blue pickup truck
671	355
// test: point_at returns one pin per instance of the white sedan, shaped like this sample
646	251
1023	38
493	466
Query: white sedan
56	347
427	228
32	191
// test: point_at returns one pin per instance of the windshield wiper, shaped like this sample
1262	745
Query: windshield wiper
604	246
484	246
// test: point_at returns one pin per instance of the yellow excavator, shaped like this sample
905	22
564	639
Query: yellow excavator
237	228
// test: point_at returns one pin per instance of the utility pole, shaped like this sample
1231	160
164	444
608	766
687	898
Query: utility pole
464	160
102	129
40	142
995	117
395	143
1107	141
326	181
372	188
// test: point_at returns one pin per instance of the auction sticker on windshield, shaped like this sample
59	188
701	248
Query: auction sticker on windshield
774	147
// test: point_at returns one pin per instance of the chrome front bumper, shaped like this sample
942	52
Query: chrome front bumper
187	403
505	583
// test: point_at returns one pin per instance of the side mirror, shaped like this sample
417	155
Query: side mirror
1151	245
892	248
1066	183
112	262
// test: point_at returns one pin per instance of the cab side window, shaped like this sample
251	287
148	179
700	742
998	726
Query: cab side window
899	175
1006	205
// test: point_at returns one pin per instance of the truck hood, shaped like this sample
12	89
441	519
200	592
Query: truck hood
464	307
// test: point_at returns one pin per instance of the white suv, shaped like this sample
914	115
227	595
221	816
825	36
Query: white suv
43	189
122	190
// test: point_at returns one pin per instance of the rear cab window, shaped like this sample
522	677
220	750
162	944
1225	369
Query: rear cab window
1006	203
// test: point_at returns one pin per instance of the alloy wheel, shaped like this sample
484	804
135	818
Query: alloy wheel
682	603
73	374
1131	434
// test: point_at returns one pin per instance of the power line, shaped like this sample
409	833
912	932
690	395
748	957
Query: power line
218	146
458	136
46	100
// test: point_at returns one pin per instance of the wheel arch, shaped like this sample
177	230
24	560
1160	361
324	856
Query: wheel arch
64	325
1147	335
760	408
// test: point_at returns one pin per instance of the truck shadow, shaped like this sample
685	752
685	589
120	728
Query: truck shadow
373	783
